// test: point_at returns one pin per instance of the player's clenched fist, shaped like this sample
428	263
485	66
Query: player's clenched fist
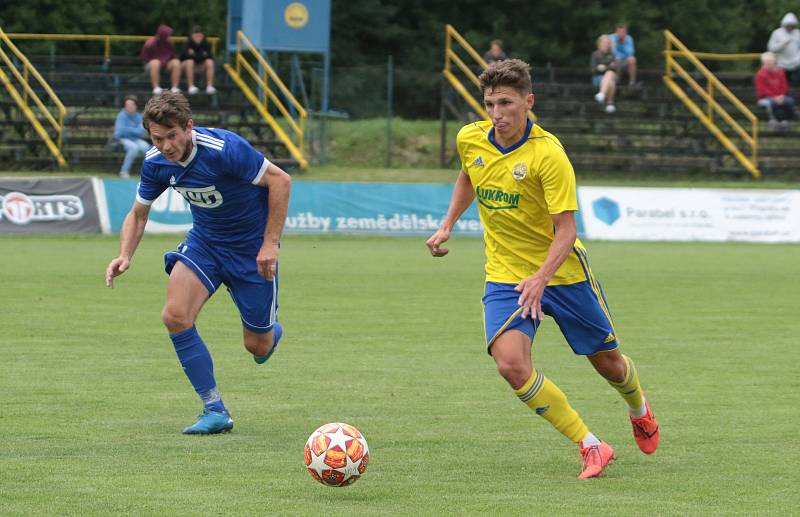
267	260
115	268
441	236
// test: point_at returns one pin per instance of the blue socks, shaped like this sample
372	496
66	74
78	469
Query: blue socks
276	336
198	367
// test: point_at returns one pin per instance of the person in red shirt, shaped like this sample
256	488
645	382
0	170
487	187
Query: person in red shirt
158	52
771	91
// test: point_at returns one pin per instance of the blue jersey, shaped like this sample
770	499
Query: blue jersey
622	49
219	180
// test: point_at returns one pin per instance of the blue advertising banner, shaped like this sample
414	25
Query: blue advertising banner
376	208
168	214
319	208
322	208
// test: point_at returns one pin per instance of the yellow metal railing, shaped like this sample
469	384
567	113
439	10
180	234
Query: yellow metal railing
293	137
452	58
28	101
676	49
106	39
745	56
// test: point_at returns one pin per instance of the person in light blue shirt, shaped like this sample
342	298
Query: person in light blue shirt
130	133
624	51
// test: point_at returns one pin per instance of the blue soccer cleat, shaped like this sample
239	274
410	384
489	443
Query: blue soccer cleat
211	422
261	359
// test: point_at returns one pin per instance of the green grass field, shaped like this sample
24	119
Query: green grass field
382	336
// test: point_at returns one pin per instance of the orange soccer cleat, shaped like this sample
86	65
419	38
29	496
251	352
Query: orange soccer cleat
595	459
645	431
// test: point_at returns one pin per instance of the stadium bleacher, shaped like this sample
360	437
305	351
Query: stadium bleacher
93	93
651	132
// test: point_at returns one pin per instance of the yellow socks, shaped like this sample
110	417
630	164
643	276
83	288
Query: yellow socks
629	388
549	402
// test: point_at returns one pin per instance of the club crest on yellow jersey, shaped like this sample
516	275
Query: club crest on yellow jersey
519	171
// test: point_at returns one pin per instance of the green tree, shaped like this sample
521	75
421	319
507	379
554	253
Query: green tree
143	16
58	17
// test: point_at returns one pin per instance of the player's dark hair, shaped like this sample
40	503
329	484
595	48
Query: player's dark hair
168	110
513	73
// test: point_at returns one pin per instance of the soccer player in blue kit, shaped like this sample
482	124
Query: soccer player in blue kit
239	201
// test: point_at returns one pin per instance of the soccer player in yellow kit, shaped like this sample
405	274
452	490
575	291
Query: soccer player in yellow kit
535	265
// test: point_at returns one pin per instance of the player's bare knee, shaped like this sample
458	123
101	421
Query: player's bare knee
176	320
514	372
259	344
611	367
256	347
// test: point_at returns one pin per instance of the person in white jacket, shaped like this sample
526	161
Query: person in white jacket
785	43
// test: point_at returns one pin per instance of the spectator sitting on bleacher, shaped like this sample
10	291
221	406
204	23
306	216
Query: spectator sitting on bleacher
198	52
130	133
604	73
158	52
784	42
624	51
771	91
495	52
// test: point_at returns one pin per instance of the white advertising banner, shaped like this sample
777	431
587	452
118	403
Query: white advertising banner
673	214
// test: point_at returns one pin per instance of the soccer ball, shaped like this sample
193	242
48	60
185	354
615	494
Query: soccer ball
336	454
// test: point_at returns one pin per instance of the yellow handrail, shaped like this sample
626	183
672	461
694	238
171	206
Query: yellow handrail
24	78
268	69
450	56
107	39
453	33
746	56
270	94
672	66
294	144
464	68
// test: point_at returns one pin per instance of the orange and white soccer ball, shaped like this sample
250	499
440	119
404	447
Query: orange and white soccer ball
336	454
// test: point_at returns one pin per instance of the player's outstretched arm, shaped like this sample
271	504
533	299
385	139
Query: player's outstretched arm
463	195
280	186
130	235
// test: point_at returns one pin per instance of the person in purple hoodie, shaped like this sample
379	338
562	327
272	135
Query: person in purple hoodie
158	52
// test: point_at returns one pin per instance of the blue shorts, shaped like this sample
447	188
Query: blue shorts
579	310
254	296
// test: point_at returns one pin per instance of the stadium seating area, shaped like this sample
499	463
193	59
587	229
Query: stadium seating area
652	131
93	96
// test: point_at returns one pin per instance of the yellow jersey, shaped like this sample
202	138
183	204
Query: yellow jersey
517	188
